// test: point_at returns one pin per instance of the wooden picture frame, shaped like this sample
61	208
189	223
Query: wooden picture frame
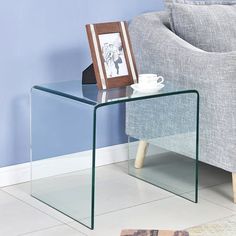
112	54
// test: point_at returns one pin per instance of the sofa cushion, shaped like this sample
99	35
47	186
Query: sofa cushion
209	25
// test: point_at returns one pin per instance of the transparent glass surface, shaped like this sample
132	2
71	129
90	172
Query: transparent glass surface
68	136
167	144
62	144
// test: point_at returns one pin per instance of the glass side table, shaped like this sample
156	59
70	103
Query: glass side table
68	136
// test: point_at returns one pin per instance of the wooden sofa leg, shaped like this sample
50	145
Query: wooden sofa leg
234	185
141	153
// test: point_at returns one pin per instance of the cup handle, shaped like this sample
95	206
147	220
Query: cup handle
160	78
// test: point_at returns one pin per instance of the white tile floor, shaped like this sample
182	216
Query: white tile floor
21	214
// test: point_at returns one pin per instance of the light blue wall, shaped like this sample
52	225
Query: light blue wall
44	41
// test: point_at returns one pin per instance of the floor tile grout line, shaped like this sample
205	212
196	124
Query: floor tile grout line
206	222
60	223
155	201
217	204
25	202
130	207
51	216
35	231
47	228
200	188
68	224
171	195
142	204
12	185
164	198
121	209
211	221
211	186
34	207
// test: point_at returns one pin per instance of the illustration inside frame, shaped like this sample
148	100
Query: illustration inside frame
113	55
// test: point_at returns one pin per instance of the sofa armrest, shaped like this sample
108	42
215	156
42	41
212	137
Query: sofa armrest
157	49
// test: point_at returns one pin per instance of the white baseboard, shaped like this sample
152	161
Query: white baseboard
14	174
62	164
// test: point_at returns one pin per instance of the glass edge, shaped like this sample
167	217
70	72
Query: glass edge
93	168
197	147
31	153
145	97
89	102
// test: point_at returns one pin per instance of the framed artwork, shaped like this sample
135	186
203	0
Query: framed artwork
112	54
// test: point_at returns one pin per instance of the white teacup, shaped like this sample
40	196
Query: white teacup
150	80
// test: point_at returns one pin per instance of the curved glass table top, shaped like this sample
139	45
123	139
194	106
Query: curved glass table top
91	95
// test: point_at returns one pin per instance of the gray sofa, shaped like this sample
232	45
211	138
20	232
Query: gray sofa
158	50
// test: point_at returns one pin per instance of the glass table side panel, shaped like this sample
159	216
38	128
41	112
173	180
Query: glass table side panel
61	159
166	130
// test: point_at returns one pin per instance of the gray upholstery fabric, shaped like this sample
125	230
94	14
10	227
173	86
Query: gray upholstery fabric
200	2
169	122
159	50
204	24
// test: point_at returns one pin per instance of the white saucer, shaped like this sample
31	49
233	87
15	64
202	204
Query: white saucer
139	88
